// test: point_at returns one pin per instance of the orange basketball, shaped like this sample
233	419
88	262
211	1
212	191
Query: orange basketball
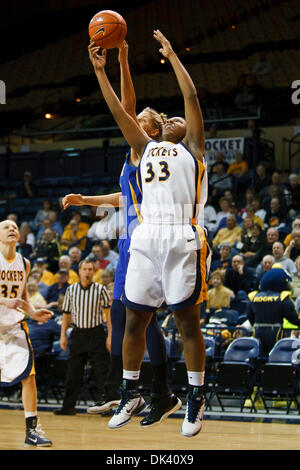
107	29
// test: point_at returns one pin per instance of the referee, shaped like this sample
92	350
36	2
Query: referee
84	305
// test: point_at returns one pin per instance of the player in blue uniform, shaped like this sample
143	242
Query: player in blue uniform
130	197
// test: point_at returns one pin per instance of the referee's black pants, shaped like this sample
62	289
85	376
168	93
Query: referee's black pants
86	343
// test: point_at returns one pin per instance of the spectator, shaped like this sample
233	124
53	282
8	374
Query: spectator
260	179
233	210
35	296
292	195
64	262
271	192
219	159
272	236
97	255
220	180
210	218
42	336
213	132
47	277
293	250
108	254
56	226
47	223
219	296
28	188
75	256
224	262
264	267
42	213
57	288
276	214
49	248
239	277
250	212
254	242
231	234
295	226
225	209
258	210
286	263
239	173
25	230
72	234
36	274
23	248
246	229
296	280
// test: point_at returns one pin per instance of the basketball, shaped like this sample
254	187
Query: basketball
107	29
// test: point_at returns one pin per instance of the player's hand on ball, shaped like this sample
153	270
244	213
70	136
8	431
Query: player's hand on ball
123	52
98	60
42	315
166	49
72	200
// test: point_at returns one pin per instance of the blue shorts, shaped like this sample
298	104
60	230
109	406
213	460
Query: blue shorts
121	269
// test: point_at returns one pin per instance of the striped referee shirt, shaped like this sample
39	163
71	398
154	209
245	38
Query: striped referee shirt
86	304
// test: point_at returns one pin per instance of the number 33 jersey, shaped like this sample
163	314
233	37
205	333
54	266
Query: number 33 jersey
12	283
173	184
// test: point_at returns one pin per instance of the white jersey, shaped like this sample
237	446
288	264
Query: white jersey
173	184
12	283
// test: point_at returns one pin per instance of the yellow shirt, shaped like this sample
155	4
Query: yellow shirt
82	231
288	239
97	276
47	278
73	277
225	235
38	299
237	168
218	297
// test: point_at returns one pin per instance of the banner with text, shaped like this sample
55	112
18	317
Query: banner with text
229	147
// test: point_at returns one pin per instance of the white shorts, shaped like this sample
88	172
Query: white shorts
168	264
16	356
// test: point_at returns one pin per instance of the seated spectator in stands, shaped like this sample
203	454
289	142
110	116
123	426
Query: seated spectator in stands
260	178
296	280
271	192
84	226
108	254
35	296
75	256
64	262
42	335
264	266
254	242
255	218
97	254
258	210
219	159
246	229
233	210
24	248
28	188
47	277
58	288
295	226
56	226
49	248
286	263
107	276
213	132
42	213
263	67
272	236
229	196
73	234
224	209
36	274
292	195
219	181
239	277
47	223
225	259
25	230
276	214
239	173
219	296
293	249
231	234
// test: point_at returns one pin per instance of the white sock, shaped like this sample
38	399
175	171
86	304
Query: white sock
196	378
131	374
30	414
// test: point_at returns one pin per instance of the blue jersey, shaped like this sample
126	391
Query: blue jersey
132	196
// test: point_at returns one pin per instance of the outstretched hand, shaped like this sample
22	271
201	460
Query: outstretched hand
98	60
42	315
166	49
123	52
72	200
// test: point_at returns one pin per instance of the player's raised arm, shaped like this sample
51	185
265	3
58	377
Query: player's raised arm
128	97
114	199
134	135
195	135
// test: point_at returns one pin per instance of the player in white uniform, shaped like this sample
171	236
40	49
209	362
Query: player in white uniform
16	355
168	253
